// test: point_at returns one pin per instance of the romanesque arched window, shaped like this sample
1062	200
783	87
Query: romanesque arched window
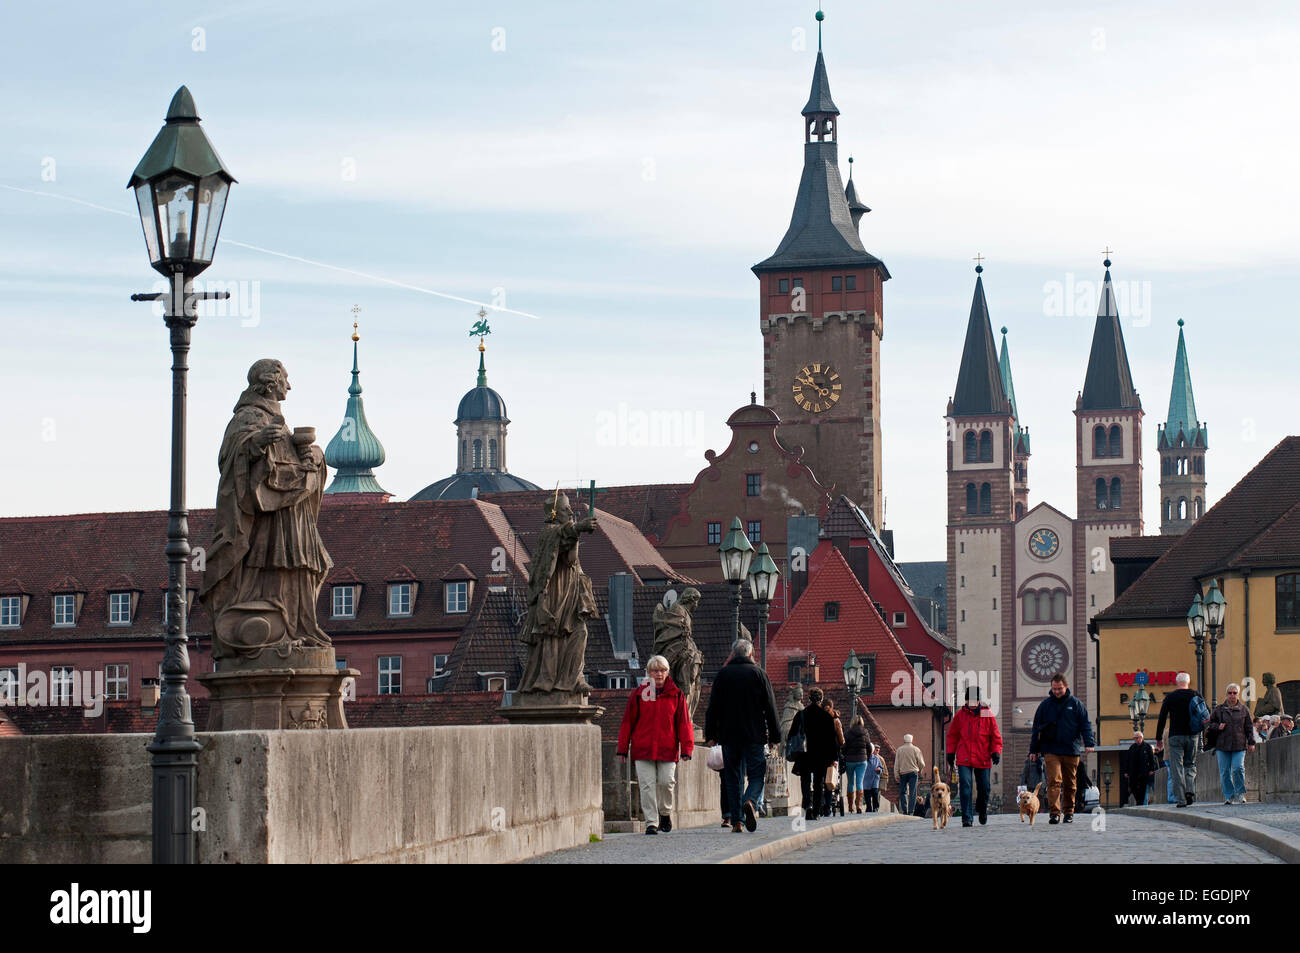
1099	442
1169	510
1115	498
1164	466
972	500
464	454
986	499
1058	605
1182	508
1199	508
1029	601
1044	605
1116	441
969	453
478	454
1200	465
986	446
1103	497
492	455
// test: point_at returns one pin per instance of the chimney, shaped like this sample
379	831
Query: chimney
150	688
619	620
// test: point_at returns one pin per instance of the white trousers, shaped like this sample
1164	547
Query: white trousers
656	779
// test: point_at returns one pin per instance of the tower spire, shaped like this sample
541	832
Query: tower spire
1108	384
355	450
1182	403
979	379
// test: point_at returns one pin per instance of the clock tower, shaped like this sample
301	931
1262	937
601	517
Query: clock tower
821	315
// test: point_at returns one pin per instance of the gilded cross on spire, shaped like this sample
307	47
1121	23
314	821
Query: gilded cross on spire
978	259
1108	252
356	309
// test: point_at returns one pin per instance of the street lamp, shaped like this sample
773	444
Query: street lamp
1196	625
1107	776
853	671
736	552
764	577
180	187
1215	609
1138	707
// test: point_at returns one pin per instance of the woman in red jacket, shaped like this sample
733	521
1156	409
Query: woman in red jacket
656	726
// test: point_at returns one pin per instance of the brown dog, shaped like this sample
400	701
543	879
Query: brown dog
940	801
1029	803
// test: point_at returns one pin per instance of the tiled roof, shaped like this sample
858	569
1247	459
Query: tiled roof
1256	523
118	717
859	627
648	506
1140	547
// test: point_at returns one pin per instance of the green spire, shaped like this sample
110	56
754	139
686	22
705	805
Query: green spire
482	368
1182	405
1008	388
355	449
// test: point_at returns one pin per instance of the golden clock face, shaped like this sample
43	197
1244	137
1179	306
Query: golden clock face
817	387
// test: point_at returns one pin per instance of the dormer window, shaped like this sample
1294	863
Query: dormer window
11	612
457	596
831	612
65	609
399	599
344	602
119	608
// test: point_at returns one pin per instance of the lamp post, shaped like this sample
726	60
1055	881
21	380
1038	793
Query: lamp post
180	188
764	577
1196	625
1107	775
1138	707
736	553
1216	608
853	681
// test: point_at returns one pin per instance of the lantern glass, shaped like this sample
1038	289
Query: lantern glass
1196	619
1143	701
1215	606
852	672
208	210
144	199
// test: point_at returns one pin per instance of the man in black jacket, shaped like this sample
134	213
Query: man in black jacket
1142	765
742	718
1183	742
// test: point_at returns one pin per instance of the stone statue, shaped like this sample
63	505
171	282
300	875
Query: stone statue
672	628
560	601
793	705
1271	703
266	563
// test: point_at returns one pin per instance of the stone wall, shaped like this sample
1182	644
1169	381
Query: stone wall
381	795
1272	774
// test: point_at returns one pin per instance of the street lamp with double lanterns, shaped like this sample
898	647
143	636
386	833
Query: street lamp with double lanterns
764	577
1138	708
1196	626
736	553
853	674
180	188
1216	608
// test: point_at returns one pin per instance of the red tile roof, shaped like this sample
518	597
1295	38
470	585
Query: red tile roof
648	507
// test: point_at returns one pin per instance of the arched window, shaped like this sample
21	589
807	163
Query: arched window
1200	465
1115	498
1116	441
1058	605
969	453
986	499
1182	508
1020	510
1198	508
1164	466
464	453
1099	442
986	446
972	500
1169	510
1030	603
478	454
492	454
1044	605
1102	496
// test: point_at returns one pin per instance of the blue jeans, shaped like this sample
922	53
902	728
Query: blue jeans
907	791
1232	773
1169	784
969	778
738	761
1182	764
856	774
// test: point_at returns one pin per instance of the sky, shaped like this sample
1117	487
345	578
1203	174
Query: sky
602	177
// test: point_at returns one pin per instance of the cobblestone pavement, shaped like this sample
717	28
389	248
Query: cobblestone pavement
1284	818
1007	841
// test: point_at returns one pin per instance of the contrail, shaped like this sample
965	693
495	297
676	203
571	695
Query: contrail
305	261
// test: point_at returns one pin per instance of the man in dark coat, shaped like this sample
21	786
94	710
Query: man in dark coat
742	718
1142	766
821	750
1062	733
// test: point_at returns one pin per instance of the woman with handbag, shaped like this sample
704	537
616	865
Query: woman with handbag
1231	732
820	751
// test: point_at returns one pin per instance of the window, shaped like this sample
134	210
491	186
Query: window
390	675
1200	465
972	500
1058	605
478	454
9	686
399	598
496	683
119	608
986	446
1198	509
753	484
1029	606
995	569
340	663
440	664
963	615
1164	466
1094	602
1116	499
1182	508
831	612
345	602
970	453
492	454
65	610
457	596
963	648
715	534
61	678
1169	510
795	669
995	605
754	530
986	499
116	681
995	639
616	681
837	283
962	548
11	608
464	454
1020	510
1116	441
1103	496
1099	442
1288	604
782	285
900	620
798	282
963	582
851	282
1044	605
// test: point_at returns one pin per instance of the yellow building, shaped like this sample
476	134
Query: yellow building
1250	543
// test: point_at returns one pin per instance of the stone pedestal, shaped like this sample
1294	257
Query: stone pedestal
269	693
550	708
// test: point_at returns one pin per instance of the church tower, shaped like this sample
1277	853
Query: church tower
821	315
1182	441
1108	437
355	451
981	499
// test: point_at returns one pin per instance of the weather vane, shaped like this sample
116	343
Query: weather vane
481	327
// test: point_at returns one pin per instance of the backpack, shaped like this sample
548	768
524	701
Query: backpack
1198	714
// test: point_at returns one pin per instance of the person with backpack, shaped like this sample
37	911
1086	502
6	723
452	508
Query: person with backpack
1188	715
1233	736
1062	733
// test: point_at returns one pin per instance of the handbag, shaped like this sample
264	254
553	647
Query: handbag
714	761
832	776
797	743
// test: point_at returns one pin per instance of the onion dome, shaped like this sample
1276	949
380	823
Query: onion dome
355	450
